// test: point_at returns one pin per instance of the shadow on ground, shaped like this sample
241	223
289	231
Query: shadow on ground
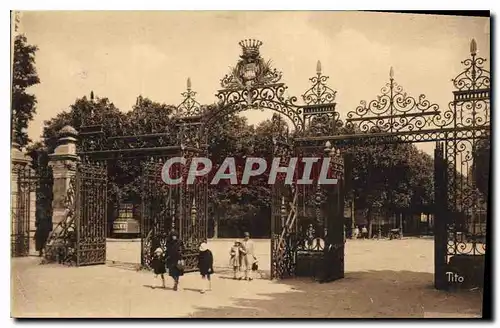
367	294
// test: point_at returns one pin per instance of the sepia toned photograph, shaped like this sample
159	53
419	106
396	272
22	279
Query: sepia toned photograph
250	164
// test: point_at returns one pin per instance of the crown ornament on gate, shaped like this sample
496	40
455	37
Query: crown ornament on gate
250	47
251	71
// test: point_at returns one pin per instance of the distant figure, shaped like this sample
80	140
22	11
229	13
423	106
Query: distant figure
355	233
364	232
158	265
206	266
235	260
175	263
248	255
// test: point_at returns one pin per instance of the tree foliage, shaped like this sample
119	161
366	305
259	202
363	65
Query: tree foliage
24	75
391	178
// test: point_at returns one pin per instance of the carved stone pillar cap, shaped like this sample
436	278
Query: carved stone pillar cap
18	157
68	131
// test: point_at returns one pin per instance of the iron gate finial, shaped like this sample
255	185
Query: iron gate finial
473	47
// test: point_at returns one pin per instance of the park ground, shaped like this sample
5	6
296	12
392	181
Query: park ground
383	279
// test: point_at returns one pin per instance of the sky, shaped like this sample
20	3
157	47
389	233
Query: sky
121	55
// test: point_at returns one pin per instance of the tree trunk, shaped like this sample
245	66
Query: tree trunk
370	224
216	225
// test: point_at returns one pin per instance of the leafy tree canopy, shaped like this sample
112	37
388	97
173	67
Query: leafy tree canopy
24	75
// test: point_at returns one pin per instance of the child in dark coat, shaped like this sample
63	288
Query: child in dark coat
175	262
205	264
158	265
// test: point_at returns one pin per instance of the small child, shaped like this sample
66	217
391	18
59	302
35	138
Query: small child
234	260
158	264
206	266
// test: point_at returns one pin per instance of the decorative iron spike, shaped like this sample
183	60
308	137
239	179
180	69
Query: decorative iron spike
391	73
473	47
188	83
318	67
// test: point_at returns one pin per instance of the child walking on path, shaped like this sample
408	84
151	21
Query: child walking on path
158	264
205	264
235	260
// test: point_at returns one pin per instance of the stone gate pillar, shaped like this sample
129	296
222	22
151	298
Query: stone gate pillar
63	163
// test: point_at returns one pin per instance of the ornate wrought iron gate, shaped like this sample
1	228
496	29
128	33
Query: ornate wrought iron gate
307	219
460	207
90	213
20	204
158	210
299	228
392	118
164	207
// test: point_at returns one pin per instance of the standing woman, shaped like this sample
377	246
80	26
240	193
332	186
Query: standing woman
175	263
206	266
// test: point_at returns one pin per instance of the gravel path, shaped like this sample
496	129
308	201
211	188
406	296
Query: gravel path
383	279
